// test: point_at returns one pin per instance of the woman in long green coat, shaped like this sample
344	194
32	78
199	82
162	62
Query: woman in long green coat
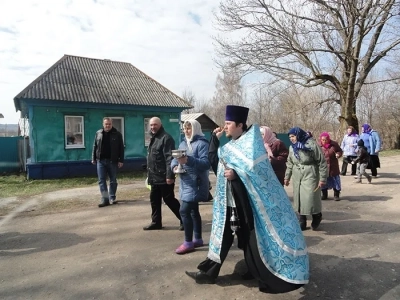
307	168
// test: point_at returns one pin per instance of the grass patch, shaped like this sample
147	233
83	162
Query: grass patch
389	152
19	186
125	197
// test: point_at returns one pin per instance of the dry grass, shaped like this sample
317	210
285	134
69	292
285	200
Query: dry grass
19	186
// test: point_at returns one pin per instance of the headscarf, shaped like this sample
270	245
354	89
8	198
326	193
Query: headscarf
328	140
353	131
196	130
366	128
268	138
302	138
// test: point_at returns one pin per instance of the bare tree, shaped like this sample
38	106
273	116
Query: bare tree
379	106
189	96
229	91
330	43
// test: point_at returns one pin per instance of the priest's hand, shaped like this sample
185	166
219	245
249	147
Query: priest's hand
218	132
229	174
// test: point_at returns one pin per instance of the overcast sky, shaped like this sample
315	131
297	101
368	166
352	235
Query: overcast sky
171	41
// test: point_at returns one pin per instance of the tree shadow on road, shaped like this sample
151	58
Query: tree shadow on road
339	215
363	198
358	226
16	244
387	175
334	277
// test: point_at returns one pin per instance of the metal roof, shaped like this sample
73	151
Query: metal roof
186	117
206	122
89	80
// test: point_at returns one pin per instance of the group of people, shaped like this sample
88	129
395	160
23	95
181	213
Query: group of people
352	143
252	170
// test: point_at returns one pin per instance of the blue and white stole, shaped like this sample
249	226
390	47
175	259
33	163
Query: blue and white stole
280	240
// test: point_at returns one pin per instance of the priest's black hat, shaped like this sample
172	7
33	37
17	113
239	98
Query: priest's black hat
236	113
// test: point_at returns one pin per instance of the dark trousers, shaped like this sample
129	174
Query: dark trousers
346	161
164	192
212	268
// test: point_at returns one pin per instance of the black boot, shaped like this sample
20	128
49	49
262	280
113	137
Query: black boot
303	222
336	194
316	220
324	194
344	167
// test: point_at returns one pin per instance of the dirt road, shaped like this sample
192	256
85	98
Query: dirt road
97	253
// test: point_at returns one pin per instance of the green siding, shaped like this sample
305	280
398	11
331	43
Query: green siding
9	154
47	131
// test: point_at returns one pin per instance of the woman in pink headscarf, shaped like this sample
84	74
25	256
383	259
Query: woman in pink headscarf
332	152
277	152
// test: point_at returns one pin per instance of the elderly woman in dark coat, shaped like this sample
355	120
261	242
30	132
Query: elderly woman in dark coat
332	152
277	152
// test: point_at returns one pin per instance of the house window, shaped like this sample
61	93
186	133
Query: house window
74	132
118	123
147	135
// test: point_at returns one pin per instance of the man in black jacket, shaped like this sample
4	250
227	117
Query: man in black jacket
159	174
108	154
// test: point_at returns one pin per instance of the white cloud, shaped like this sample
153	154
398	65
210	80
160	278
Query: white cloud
170	41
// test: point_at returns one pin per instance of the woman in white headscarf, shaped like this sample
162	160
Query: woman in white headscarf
193	184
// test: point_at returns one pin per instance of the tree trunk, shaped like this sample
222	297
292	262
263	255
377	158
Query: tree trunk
348	115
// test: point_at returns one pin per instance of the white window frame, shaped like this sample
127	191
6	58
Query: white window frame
79	129
147	135
122	125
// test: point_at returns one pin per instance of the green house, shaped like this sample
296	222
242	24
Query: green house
66	105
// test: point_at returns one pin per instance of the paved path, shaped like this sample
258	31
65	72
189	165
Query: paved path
104	253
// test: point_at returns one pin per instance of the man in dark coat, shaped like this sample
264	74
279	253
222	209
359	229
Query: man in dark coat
159	174
108	155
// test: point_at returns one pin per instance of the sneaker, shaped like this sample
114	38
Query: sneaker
103	204
181	228
198	243
358	181
369	179
355	177
111	201
186	247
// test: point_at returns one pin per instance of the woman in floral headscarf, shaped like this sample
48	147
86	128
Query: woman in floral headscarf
307	168
277	152
332	152
349	147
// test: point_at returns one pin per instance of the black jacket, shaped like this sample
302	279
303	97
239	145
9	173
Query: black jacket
159	157
363	155
117	146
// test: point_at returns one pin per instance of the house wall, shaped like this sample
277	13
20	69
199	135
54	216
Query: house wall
48	134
